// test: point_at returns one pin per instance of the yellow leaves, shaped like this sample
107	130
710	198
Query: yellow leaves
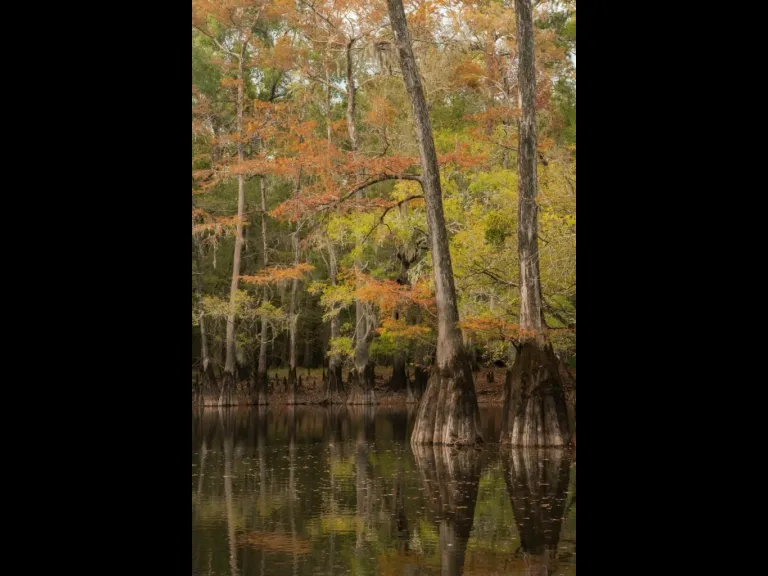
400	330
277	274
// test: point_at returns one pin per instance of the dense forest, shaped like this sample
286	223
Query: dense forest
384	209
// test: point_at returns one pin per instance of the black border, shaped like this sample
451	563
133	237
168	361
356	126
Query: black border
133	422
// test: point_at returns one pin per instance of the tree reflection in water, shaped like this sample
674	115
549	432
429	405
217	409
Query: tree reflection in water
299	492
537	484
450	478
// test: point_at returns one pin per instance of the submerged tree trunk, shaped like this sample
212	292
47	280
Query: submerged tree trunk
261	373
448	413
334	390
534	398
450	480
537	484
227	393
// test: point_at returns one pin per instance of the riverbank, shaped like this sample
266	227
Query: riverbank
489	386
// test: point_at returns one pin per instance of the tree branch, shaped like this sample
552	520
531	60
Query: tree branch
381	218
376	180
219	44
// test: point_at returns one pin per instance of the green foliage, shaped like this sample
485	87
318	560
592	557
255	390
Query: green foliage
475	135
342	346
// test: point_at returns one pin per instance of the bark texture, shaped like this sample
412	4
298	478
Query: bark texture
416	387
535	412
362	382
448	413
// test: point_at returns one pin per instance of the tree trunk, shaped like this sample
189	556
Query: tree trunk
334	390
307	345
293	317
208	391
537	484
261	373
351	103
448	413
399	380
534	398
362	376
505	123
450	480
227	394
419	383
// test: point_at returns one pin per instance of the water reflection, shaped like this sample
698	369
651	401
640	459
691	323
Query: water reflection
537	482
227	422
339	490
450	479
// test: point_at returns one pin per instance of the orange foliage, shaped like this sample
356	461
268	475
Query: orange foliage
468	73
230	82
462	158
388	294
495	114
489	328
282	56
382	113
217	226
486	328
278	274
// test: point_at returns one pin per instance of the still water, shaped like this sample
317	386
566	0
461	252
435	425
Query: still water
307	490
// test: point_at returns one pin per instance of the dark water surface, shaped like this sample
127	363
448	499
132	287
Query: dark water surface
283	491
